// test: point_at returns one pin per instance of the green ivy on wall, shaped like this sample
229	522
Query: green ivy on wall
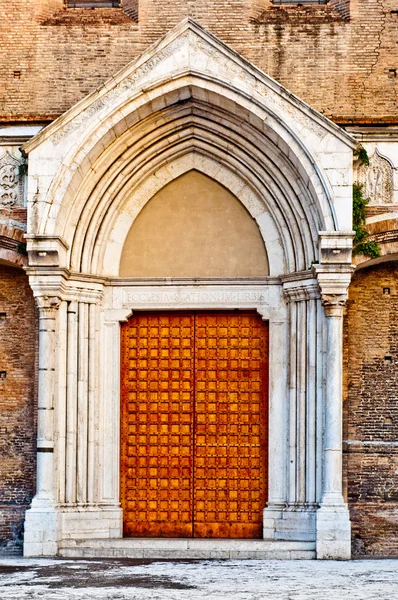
361	155
361	245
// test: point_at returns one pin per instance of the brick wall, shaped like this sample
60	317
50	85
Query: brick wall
371	410
343	7
342	66
18	335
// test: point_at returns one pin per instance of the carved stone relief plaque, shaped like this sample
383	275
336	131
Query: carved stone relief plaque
11	183
377	179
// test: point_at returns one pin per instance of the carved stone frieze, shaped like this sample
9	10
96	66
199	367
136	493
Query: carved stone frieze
304	120
11	183
187	297
377	179
260	297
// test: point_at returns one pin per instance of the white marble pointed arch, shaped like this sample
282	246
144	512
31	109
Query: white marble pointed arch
188	102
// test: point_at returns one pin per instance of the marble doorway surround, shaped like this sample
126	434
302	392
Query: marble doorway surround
189	102
86	341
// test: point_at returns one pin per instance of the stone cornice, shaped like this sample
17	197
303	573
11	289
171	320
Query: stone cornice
196	281
58	285
374	134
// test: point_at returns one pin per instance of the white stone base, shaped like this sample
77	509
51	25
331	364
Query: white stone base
186	548
81	523
41	531
289	524
333	533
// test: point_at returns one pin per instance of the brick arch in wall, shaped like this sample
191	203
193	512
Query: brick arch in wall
370	408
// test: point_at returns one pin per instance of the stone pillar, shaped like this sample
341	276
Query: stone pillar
41	518
333	528
333	519
332	494
277	441
294	516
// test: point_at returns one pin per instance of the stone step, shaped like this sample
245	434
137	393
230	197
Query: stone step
186	549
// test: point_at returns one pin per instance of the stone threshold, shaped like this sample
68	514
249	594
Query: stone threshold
178	548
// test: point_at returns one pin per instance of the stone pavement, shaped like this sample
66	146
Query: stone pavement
60	579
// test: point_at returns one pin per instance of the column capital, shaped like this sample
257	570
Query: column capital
333	282
48	305
299	294
334	304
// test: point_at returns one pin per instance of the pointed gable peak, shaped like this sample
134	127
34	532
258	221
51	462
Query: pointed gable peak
188	49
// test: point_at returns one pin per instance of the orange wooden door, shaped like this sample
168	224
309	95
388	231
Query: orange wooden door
230	449
157	424
194	424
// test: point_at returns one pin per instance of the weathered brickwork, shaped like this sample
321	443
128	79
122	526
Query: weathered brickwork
341	57
371	409
344	7
18	340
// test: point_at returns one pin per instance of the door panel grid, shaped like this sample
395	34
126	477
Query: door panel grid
194	424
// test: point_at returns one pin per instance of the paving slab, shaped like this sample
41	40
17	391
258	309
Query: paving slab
145	579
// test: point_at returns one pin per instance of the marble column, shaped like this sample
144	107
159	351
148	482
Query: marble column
41	519
293	515
333	520
333	272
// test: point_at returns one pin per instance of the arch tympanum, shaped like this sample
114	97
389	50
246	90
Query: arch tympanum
194	227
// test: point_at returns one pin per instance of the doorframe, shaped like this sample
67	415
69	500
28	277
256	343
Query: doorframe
256	321
123	297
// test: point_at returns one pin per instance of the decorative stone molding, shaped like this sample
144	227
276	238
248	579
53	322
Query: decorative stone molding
11	183
47	285
377	179
298	289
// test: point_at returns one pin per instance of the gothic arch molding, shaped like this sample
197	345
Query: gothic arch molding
274	170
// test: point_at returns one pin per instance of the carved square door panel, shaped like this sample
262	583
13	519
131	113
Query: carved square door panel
194	424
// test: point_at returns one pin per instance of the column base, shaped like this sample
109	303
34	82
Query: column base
333	533
41	529
90	522
289	523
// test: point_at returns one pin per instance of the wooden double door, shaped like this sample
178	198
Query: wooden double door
194	424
